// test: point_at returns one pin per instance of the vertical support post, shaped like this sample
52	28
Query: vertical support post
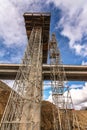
31	110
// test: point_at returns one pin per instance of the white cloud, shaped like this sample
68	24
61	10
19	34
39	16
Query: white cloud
75	86
73	23
12	29
84	63
79	96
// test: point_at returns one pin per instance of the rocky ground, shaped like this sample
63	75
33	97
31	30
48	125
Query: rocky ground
46	111
4	94
47	117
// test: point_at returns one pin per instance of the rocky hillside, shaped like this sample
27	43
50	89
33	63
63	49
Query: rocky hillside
46	111
82	118
4	94
47	117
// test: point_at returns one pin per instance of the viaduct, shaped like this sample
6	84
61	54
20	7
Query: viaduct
73	72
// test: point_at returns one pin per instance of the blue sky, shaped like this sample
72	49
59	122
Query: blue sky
68	21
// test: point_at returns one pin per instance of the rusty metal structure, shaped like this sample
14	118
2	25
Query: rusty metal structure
23	109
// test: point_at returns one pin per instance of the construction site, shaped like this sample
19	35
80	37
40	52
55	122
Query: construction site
23	107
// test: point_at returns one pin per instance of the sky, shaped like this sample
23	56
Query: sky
68	21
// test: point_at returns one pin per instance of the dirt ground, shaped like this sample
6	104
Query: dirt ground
4	94
47	117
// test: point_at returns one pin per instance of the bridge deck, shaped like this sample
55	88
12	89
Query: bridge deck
39	20
73	72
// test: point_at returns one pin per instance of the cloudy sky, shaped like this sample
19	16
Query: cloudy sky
68	21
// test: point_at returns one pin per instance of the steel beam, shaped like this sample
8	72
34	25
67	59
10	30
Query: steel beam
73	72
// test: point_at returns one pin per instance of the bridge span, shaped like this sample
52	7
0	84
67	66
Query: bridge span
73	72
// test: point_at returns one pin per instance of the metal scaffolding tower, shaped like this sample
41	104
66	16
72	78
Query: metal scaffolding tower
23	109
24	105
64	118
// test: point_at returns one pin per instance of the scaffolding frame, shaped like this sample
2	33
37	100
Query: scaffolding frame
23	109
24	105
64	118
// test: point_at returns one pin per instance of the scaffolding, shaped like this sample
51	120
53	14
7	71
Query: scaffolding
23	108
64	117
